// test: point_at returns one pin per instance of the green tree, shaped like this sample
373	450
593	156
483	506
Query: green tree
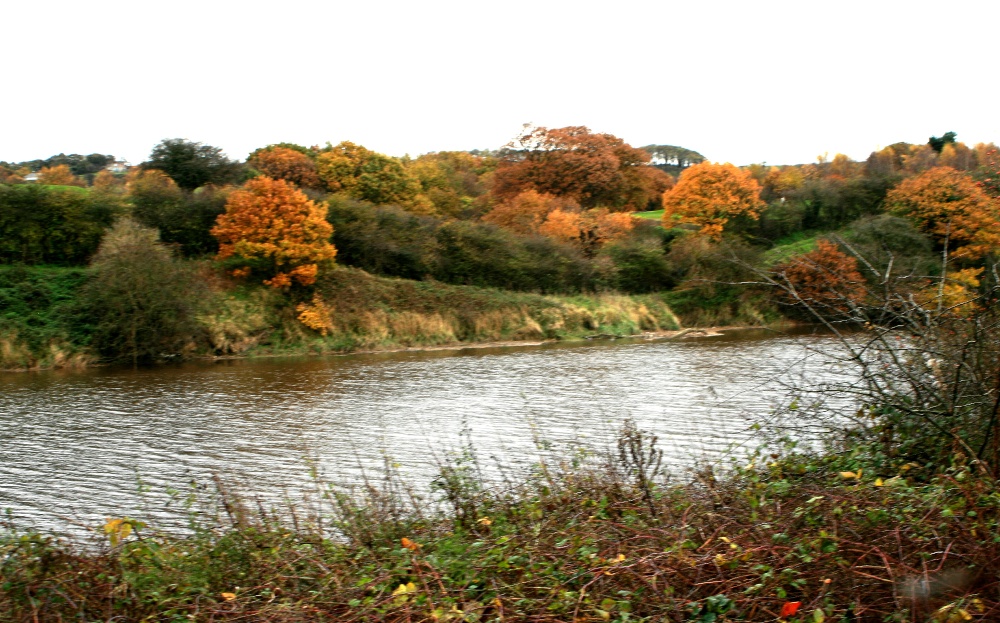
141	300
193	164
937	143
52	225
183	218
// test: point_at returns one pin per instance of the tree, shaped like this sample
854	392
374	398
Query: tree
572	162
525	212
182	217
193	164
988	173
826	279
284	163
141	300
59	175
52	225
708	195
367	175
937	143
452	180
673	159
949	206
587	229
273	229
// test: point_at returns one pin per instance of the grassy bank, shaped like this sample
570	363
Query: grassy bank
802	539
46	324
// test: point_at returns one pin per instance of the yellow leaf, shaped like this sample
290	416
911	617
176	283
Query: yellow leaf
878	482
405	589
621	558
111	525
117	530
604	614
228	596
819	616
848	475
486	521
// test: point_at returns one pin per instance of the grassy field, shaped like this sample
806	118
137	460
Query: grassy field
654	215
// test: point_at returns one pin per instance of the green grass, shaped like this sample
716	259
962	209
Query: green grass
83	190
653	215
790	246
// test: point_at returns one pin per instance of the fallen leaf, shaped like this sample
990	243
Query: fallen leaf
790	608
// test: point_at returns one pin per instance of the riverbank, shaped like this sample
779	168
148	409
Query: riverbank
46	324
802	539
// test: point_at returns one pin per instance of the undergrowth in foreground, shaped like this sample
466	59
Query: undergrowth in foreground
800	538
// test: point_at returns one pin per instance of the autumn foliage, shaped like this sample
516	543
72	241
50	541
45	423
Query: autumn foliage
825	278
709	195
574	163
950	207
587	229
59	175
525	212
370	176
282	163
560	218
275	230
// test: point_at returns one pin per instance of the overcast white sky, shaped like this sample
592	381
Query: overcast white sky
763	81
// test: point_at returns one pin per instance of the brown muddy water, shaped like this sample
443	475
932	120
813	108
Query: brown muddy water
78	447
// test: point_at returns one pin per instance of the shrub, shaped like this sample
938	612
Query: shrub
141	300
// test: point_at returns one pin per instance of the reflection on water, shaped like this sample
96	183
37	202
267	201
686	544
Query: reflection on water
75	442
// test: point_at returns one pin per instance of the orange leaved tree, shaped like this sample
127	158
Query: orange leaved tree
273	229
575	163
282	163
708	195
525	212
825	279
587	229
949	206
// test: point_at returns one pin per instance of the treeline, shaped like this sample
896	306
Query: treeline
556	211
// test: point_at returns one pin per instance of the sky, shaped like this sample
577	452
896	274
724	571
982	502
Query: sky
741	82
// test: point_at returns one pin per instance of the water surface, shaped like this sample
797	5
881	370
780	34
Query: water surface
75	444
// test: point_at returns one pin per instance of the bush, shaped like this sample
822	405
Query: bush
640	265
390	241
52	225
141	300
885	238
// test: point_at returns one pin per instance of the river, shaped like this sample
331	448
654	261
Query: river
80	446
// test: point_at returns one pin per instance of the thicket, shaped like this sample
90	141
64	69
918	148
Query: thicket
40	323
388	240
141	302
52	224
